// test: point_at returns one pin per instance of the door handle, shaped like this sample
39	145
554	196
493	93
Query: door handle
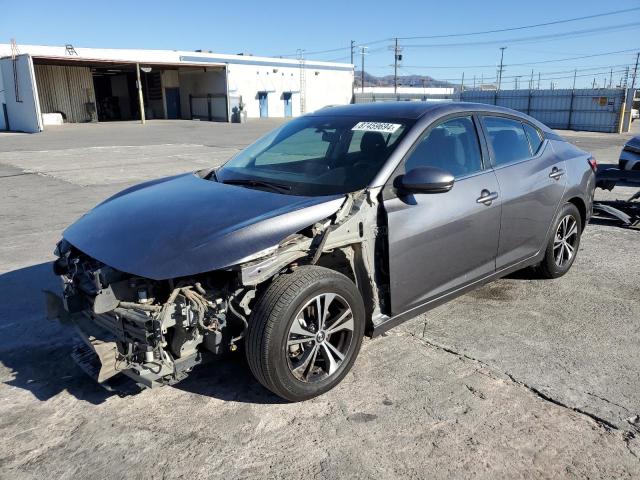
487	197
556	173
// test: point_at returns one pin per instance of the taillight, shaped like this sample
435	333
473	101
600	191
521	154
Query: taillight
593	163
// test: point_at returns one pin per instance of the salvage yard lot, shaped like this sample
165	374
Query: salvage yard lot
521	378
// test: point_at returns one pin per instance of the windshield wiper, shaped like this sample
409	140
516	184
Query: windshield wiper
276	187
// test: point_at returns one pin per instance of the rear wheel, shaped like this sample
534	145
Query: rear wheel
305	332
563	245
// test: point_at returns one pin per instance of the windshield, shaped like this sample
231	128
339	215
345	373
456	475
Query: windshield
313	156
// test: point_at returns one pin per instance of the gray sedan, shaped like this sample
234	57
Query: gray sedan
339	224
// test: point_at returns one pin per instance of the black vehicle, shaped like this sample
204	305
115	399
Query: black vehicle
341	223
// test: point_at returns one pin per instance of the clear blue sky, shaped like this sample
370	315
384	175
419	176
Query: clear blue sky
280	28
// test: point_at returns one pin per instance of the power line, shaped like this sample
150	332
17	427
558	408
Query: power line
530	63
607	68
523	27
549	36
466	34
331	50
546	76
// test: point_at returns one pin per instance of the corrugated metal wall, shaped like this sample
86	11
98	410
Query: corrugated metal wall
596	110
66	89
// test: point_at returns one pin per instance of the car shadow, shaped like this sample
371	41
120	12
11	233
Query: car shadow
35	353
228	378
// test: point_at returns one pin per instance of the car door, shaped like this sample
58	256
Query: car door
532	182
439	242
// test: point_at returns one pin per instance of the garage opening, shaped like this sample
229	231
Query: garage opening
107	92
116	94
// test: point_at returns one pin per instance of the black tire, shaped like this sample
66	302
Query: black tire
271	323
549	267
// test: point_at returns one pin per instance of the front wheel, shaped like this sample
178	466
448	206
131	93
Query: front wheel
305	332
564	243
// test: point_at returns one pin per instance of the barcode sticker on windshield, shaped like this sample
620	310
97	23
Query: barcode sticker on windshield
376	127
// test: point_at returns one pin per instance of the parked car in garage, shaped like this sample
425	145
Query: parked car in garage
339	224
630	155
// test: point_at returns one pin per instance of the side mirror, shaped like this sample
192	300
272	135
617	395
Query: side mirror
426	180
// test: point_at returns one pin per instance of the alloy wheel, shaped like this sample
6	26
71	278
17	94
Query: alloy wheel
320	337
565	241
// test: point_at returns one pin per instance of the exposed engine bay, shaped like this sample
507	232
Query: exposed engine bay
156	331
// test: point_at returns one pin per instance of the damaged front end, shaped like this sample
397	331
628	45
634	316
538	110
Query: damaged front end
156	331
152	331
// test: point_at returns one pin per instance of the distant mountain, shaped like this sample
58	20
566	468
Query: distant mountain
403	80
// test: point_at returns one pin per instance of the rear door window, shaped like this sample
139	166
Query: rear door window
508	140
534	137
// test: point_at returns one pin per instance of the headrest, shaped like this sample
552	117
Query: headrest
372	143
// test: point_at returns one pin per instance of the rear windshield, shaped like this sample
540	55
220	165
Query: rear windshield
317	155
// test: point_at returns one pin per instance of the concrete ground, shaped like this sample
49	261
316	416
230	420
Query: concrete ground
519	379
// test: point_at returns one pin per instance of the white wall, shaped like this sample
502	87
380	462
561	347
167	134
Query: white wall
24	115
328	87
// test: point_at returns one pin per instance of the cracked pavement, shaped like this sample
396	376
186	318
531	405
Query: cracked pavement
519	379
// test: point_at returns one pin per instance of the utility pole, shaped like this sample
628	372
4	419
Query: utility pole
531	80
517	81
481	80
353	82
626	77
575	72
593	86
396	58
629	94
474	82
501	67
538	80
462	84
362	53
635	72
610	77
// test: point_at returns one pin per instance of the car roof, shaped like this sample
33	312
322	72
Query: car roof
409	109
414	110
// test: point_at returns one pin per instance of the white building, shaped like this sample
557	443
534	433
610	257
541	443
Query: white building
94	84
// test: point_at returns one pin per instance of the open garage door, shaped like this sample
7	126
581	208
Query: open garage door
21	94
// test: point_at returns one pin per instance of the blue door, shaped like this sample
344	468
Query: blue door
264	107
172	96
287	104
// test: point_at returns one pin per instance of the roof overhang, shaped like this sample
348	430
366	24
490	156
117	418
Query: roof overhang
98	62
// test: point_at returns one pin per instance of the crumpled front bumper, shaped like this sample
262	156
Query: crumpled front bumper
96	340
